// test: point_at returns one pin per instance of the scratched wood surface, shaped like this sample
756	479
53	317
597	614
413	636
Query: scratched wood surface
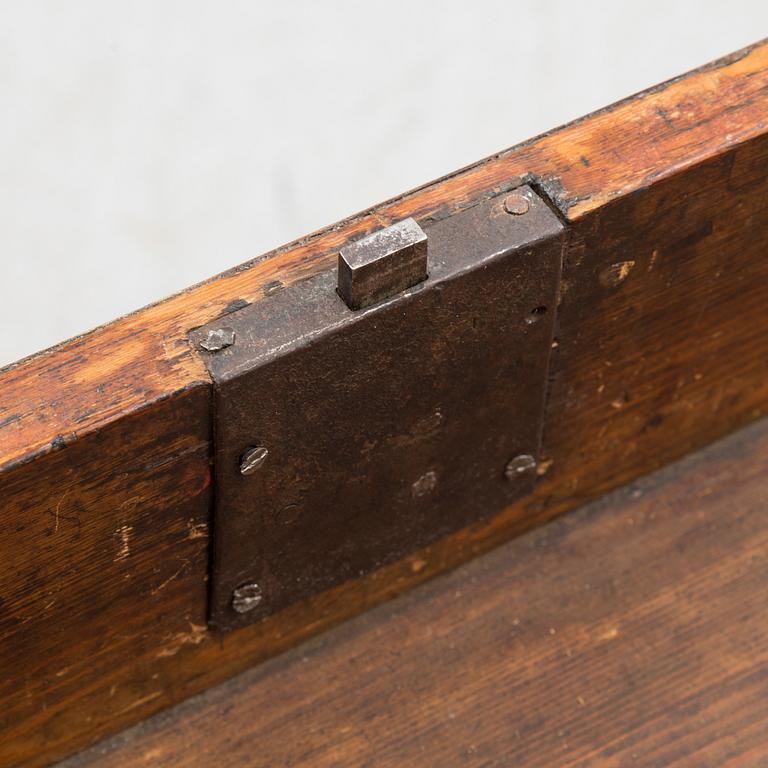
105	440
632	632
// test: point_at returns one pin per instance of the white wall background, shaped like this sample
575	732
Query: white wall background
149	144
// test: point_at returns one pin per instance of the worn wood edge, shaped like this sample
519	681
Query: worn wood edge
145	357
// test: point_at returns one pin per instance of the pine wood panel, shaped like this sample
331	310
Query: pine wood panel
632	632
104	441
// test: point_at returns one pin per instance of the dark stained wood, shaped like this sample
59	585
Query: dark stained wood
632	632
105	440
89	589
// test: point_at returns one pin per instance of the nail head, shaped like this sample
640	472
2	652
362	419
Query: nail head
253	459
519	465
218	339
246	597
516	204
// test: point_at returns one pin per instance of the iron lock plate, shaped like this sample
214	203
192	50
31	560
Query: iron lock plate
345	439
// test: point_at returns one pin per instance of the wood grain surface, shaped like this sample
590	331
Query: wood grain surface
632	632
105	441
87	382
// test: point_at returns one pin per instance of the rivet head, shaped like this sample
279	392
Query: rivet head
520	465
218	339
253	459
246	597
516	204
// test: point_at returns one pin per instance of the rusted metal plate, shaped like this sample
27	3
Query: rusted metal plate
347	439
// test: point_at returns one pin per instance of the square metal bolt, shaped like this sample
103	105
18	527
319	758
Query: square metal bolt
382	264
